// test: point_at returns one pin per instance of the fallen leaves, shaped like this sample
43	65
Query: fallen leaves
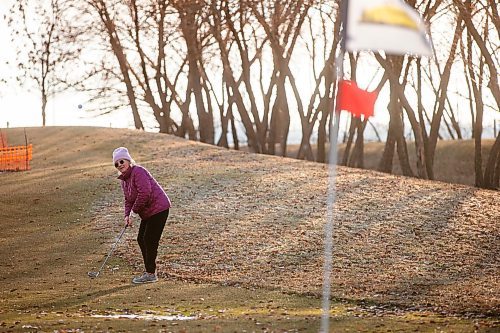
254	220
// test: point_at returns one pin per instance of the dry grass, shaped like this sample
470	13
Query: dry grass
408	253
454	160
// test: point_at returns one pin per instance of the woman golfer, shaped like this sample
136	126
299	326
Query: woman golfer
145	197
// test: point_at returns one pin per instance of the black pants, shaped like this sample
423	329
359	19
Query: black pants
149	238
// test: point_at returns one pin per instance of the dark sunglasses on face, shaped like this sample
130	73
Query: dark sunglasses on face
120	161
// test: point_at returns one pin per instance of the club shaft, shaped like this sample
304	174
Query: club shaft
112	249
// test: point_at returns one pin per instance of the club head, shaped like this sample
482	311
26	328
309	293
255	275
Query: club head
93	274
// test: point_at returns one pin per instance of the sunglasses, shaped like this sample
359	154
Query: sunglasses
120	162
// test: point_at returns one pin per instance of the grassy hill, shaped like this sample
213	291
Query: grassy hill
453	162
243	249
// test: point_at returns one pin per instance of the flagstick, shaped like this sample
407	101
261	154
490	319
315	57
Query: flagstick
332	173
327	268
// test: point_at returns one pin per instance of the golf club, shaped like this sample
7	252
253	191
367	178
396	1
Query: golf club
96	274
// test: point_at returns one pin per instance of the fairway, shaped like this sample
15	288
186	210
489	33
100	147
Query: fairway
243	247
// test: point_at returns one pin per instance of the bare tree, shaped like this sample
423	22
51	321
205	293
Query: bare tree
475	78
229	21
282	22
106	14
43	53
320	101
465	9
190	13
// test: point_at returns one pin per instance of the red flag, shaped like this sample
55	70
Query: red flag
355	100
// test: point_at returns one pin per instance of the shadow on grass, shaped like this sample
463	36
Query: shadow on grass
81	299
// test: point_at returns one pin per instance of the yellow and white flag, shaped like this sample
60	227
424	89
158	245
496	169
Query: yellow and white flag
388	25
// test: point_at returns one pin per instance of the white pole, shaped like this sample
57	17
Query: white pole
332	174
328	255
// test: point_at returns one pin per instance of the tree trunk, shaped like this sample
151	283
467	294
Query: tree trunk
395	134
187	125
443	87
224	123
190	33
350	139
478	160
280	118
357	156
322	135
44	107
236	142
491	172
385	164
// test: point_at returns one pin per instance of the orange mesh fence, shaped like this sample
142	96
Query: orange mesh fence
15	158
3	140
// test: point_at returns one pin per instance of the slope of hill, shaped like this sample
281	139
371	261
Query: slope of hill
453	162
257	221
